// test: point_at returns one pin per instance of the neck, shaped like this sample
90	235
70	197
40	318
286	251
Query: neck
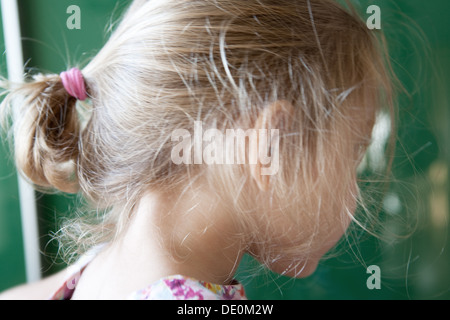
191	237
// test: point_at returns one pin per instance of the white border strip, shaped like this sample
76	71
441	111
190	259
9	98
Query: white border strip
14	56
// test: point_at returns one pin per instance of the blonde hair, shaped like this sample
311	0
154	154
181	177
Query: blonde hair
169	63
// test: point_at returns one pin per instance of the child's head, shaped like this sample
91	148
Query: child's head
310	69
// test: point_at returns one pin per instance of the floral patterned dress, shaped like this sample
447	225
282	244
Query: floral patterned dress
176	287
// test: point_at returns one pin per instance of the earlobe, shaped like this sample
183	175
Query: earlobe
262	181
276	117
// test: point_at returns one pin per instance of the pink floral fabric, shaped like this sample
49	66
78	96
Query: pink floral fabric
184	288
176	287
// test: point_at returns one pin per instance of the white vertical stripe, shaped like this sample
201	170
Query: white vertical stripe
14	56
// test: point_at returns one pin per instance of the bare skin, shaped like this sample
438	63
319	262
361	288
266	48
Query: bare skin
197	236
147	251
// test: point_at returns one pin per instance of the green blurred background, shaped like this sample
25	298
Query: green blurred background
413	249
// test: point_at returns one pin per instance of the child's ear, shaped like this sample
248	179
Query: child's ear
276	116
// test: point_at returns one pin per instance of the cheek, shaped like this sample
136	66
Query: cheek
303	246
335	220
339	218
292	241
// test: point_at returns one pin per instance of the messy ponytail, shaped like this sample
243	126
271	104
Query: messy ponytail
169	63
46	132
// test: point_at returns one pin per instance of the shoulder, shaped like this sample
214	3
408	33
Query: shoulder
40	290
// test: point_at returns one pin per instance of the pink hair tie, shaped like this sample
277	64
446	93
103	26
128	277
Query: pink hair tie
73	82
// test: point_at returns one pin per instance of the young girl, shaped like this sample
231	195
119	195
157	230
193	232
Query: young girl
162	229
